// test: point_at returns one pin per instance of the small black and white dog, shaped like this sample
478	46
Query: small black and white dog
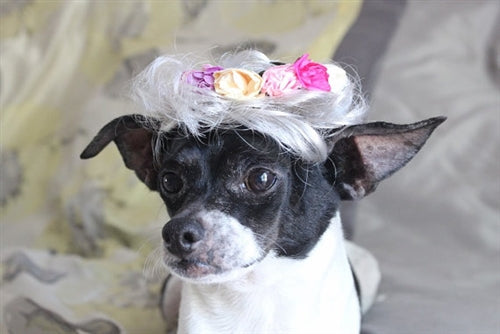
255	242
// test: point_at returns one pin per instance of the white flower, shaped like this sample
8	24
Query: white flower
337	78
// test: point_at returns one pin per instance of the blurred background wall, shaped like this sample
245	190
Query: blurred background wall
75	235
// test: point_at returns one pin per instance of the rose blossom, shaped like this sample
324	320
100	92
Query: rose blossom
279	80
204	78
312	76
237	83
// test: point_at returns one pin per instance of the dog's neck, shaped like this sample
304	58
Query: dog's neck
311	295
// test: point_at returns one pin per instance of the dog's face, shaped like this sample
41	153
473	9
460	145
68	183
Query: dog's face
235	196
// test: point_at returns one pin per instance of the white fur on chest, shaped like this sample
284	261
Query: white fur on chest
279	295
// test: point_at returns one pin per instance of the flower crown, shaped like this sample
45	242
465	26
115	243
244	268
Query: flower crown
298	105
276	81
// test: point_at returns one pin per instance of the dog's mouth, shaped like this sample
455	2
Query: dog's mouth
193	269
203	272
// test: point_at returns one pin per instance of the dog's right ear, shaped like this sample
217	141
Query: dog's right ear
363	155
134	136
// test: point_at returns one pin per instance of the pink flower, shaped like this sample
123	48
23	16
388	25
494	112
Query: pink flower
312	76
204	78
280	80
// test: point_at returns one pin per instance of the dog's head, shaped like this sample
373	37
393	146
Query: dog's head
235	196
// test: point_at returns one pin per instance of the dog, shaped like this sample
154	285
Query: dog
255	243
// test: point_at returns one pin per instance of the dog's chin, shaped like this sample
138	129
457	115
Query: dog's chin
204	273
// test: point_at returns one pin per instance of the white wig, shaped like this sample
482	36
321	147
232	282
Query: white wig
299	121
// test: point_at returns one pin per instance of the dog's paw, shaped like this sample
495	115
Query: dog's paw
367	272
170	302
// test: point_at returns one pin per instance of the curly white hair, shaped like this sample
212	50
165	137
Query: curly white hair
300	121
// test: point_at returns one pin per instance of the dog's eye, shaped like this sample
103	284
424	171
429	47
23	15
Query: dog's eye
260	180
172	183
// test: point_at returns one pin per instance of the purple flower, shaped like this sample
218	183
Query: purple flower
204	78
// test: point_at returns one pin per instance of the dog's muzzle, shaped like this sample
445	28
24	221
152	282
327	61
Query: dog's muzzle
208	244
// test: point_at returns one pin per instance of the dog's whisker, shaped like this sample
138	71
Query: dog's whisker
148	264
263	237
153	265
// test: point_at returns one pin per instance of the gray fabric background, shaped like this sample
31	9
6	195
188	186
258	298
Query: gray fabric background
435	225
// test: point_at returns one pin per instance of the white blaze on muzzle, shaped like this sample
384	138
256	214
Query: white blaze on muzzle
227	247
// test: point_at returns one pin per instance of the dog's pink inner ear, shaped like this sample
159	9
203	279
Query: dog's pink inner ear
364	155
135	146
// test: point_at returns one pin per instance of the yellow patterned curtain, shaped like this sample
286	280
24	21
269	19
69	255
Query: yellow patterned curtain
65	66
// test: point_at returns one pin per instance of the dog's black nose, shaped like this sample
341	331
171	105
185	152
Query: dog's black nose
181	236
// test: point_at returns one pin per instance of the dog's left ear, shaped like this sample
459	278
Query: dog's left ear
134	136
363	155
